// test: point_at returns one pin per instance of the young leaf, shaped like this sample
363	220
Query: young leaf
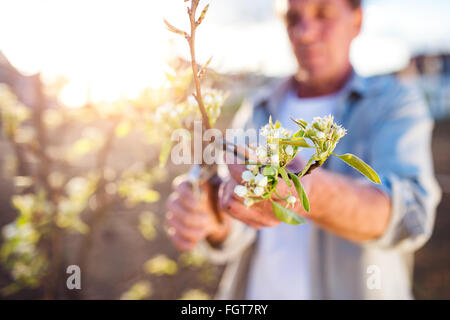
286	215
300	191
285	177
299	134
269	171
360	165
202	15
298	142
300	122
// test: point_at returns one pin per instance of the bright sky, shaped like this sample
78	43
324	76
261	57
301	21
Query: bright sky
118	47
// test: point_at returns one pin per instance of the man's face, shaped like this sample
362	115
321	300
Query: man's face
321	32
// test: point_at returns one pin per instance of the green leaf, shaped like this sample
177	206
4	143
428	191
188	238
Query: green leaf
285	177
300	122
298	142
300	191
360	165
286	215
270	171
299	134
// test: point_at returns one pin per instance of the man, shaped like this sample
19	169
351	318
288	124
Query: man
360	238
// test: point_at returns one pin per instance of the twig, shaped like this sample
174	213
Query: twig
195	73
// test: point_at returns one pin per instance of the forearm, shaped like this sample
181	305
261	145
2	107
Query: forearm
347	207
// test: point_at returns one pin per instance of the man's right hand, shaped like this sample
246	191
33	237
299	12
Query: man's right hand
191	219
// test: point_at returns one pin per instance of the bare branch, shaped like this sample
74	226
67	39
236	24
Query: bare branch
195	73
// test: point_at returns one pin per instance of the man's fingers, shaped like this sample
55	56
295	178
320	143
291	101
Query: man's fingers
237	166
233	205
226	193
175	210
191	234
241	212
236	171
181	243
296	164
240	153
252	216
186	194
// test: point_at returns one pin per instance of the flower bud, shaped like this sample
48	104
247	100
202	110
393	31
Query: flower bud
248	202
291	200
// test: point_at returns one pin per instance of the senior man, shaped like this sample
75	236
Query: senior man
360	238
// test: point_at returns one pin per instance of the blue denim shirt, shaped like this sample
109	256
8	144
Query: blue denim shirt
389	127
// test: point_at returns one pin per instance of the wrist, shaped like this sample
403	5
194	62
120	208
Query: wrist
220	233
311	184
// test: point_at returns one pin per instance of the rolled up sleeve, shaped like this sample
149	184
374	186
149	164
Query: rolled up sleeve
401	154
240	238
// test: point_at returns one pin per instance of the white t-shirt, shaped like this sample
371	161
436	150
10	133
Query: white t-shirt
280	268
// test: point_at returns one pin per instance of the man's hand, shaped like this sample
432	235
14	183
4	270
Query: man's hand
192	219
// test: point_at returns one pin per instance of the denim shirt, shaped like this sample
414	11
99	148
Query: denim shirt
389	127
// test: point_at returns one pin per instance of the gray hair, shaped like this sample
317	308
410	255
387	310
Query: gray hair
281	6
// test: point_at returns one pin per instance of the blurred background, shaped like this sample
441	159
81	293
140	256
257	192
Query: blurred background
80	87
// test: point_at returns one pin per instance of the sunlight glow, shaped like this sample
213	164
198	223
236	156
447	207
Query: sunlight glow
111	49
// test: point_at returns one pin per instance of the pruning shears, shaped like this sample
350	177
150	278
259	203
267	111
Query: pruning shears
202	173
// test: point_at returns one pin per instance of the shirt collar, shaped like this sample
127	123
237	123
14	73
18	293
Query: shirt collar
355	89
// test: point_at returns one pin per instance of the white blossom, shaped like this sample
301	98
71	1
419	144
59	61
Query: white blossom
275	159
252	167
24	248
320	135
10	231
291	200
241	191
273	146
191	101
265	131
247	176
261	152
277	133
261	180
341	132
208	99
258	191
289	151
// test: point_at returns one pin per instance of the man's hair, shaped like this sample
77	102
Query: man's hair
281	5
355	3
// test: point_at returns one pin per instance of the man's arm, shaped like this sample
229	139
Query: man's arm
400	211
350	208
